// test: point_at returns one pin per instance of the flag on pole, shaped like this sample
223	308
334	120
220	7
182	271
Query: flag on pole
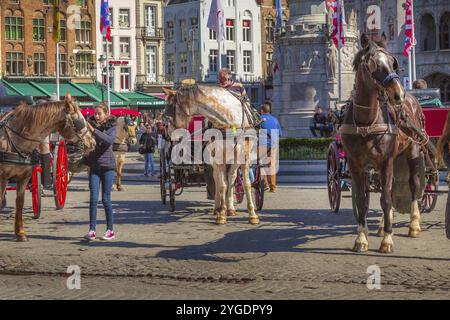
216	20
279	14
105	23
56	22
329	4
337	34
409	25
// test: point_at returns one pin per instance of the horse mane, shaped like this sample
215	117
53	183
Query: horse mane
374	46
34	116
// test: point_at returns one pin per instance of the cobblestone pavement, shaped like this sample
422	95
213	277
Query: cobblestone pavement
299	251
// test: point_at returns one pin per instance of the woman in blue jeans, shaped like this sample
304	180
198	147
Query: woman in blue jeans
102	166
148	142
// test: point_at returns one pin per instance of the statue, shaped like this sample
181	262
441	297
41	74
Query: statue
352	18
331	61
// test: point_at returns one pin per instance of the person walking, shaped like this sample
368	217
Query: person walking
273	128
101	163
148	142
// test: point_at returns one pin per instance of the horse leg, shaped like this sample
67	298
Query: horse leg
2	193
361	206
221	189
387	172
232	174
120	166
414	184
247	185
20	198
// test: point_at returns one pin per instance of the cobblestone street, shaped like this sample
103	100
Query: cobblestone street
295	253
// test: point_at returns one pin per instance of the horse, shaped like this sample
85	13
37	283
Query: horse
126	134
224	111
22	130
381	123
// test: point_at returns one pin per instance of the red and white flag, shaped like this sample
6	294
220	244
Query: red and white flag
409	25
216	20
337	34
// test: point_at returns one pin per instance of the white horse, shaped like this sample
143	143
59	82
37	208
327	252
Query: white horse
224	111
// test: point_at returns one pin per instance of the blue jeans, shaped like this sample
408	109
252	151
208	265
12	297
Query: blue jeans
106	178
149	166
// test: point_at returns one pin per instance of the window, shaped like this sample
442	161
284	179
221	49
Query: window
247	61
83	64
151	63
444	32
269	57
63	64
445	91
63	29
427	33
110	47
170	31
391	26
270	27
183	31
150	21
212	34
111	17
14	28
39	64
125	79
124	18
230	29
38	29
14	63
246	24
171	65
125	47
183	62
254	95
231	65
213	60
111	78
83	34
49	2
231	3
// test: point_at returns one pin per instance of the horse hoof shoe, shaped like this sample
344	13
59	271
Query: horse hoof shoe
386	248
221	220
22	238
231	213
360	247
253	220
414	233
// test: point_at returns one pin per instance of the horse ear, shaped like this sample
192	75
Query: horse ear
68	102
383	40
169	92
365	41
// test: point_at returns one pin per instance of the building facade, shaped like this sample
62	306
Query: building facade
268	26
123	47
150	75
308	61
192	49
28	50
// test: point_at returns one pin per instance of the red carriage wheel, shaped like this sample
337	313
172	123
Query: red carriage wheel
238	188
258	188
333	178
172	187
429	198
60	174
36	192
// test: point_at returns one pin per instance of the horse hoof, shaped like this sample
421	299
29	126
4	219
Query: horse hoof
113	188
253	220
386	248
414	233
380	232
21	238
120	188
360	247
231	213
221	220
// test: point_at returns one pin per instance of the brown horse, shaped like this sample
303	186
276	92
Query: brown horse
377	128
22	130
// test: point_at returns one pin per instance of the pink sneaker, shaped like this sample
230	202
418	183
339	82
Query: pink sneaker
109	235
90	235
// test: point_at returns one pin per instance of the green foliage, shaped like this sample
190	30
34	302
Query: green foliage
304	148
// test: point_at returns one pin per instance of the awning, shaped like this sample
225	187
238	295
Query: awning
99	93
23	89
144	100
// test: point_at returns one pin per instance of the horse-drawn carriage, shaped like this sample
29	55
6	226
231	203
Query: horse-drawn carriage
58	167
338	175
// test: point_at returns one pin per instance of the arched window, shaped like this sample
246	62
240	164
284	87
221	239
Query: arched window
39	61
39	27
14	60
270	27
427	33
13	25
63	61
444	31
391	26
445	90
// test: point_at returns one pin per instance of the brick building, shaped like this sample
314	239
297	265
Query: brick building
28	50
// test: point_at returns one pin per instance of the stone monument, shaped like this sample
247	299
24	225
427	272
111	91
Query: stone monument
308	66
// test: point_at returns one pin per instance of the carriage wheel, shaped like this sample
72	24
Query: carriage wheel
333	178
36	192
238	188
258	188
60	174
162	178
429	200
172	189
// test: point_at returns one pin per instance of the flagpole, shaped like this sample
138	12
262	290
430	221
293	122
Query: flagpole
58	95
107	76
339	51
413	44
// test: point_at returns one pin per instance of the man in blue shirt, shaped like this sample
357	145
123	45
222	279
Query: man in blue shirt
273	128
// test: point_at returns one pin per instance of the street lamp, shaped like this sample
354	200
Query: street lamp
102	60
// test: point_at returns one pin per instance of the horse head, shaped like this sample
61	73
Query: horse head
378	68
